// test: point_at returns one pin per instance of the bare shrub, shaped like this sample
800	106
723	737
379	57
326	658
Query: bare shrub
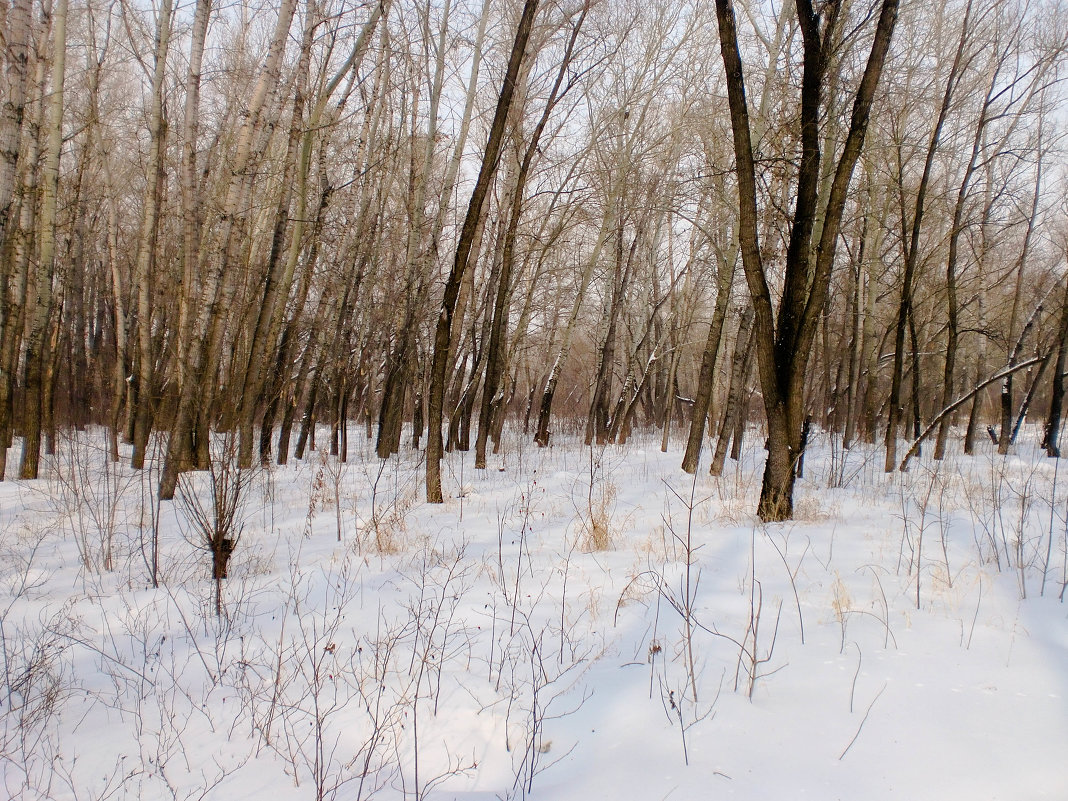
87	490
597	511
36	682
217	521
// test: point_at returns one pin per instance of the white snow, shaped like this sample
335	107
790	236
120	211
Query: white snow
902	638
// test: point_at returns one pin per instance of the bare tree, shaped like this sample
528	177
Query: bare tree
784	340
35	358
217	291
443	335
144	277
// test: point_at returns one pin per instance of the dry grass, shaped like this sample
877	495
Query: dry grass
390	526
815	509
598	523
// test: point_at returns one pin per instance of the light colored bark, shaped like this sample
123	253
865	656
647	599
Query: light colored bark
144	272
13	106
36	354
216	296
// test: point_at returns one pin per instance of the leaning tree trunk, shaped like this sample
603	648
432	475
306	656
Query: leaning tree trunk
492	392
280	271
443	332
707	374
741	365
418	264
216	297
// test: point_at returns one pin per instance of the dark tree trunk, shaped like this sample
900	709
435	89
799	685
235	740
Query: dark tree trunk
707	375
732	411
496	367
784	341
1052	435
443	331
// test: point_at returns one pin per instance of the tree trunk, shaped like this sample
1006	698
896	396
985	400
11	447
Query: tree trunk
784	342
418	253
144	277
279	271
36	354
912	245
443	332
18	43
1052	434
1006	434
492	398
541	431
707	374
740	367
18	238
217	295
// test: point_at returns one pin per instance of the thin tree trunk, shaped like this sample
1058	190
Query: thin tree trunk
912	246
443	332
855	342
492	398
740	367
144	277
541	432
1052	434
706	376
1005	438
419	254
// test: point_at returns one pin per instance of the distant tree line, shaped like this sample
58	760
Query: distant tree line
439	218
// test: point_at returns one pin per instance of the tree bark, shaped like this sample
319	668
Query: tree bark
492	397
443	332
217	292
783	345
144	277
1006	432
1052	434
17	43
36	354
18	233
913	246
740	368
707	374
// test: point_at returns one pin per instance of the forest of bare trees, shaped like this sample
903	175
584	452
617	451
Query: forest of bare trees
433	219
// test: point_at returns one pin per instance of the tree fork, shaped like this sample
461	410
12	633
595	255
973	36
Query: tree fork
783	345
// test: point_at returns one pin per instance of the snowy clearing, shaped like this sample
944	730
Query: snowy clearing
572	623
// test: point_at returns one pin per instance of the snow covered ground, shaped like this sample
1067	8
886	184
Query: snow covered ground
573	623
